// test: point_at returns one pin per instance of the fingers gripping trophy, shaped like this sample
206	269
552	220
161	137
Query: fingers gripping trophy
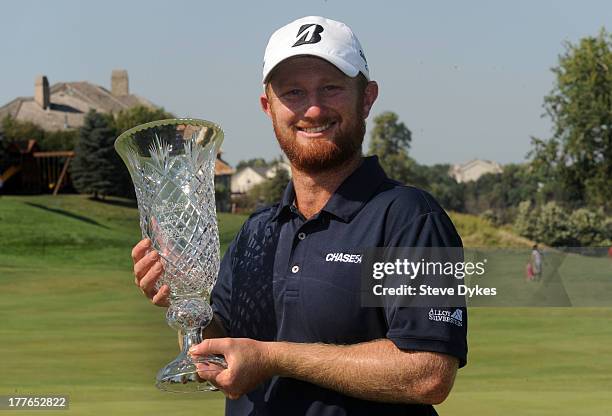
172	165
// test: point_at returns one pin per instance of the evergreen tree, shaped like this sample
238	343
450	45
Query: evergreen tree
97	169
3	153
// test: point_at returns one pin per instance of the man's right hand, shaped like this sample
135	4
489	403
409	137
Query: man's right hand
148	269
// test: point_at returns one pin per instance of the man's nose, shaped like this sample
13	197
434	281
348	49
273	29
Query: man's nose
314	106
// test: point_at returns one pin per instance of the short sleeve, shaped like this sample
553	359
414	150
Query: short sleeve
436	329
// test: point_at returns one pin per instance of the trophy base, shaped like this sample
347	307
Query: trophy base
180	376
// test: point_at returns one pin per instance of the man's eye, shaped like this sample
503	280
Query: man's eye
293	93
330	88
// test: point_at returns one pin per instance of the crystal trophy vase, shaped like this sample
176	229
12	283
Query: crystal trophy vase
172	165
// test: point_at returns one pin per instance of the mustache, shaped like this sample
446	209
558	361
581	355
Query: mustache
312	122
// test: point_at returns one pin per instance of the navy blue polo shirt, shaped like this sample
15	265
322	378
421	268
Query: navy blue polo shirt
285	278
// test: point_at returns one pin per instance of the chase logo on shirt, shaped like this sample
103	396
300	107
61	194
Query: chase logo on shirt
438	315
343	257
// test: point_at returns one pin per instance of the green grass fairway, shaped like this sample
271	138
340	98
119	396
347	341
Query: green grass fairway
72	322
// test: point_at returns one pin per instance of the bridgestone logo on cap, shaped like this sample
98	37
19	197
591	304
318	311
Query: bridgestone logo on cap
309	33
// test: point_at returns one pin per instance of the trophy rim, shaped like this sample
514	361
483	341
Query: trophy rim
171	121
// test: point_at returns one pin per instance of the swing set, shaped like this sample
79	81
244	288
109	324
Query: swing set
32	171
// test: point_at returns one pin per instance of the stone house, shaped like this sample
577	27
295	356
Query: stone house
63	106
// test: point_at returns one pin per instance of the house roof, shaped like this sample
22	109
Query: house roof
222	167
261	170
475	162
69	103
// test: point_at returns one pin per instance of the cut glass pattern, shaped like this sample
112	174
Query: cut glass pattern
172	165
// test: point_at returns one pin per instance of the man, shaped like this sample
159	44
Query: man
287	301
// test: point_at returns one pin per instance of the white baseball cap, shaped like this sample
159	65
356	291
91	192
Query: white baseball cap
317	36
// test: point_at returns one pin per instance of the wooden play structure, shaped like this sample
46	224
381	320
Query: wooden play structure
31	171
6	175
53	168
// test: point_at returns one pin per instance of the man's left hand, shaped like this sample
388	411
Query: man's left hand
248	364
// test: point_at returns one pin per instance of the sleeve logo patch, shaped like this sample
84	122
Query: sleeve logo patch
438	315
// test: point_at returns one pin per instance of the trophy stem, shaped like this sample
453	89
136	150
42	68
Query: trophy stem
189	316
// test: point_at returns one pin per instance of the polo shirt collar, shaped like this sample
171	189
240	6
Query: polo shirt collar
286	201
350	196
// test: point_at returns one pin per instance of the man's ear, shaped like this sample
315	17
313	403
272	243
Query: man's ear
369	96
265	104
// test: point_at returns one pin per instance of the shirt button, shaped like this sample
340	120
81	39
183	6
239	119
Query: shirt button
302	236
295	269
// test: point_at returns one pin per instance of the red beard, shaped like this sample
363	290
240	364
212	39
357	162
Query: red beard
320	154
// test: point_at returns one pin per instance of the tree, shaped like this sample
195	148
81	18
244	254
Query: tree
258	162
60	140
501	193
267	192
47	140
222	195
14	129
96	164
553	225
134	116
3	153
274	187
548	224
524	224
589	227
579	154
437	181
390	140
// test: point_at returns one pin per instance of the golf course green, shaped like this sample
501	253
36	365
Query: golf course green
73	323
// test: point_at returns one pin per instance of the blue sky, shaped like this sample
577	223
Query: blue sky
468	78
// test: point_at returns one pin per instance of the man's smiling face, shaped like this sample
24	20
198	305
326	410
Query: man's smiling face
318	112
